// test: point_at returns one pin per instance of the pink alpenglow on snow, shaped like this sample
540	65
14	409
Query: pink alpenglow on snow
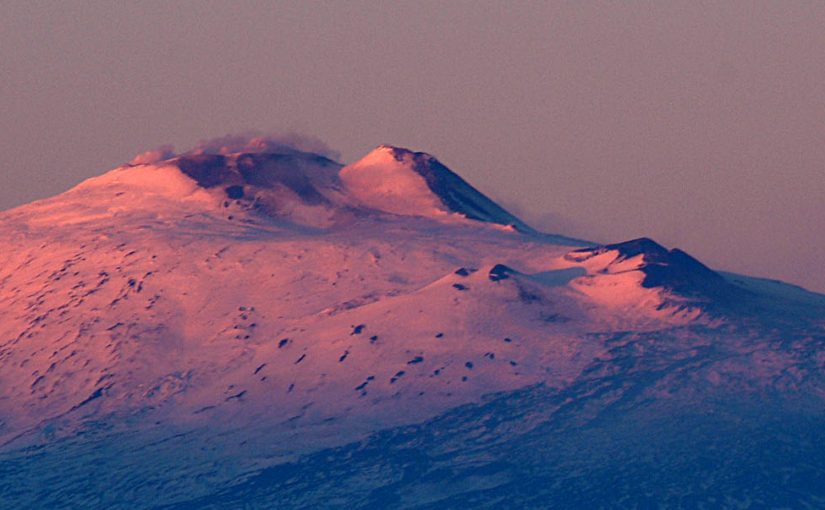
266	325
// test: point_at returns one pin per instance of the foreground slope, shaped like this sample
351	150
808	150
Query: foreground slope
274	328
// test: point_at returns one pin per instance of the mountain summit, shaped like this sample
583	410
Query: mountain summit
271	328
285	186
398	180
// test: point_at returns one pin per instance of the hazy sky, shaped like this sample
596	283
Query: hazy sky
699	124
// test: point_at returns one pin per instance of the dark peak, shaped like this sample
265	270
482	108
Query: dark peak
641	246
652	251
669	269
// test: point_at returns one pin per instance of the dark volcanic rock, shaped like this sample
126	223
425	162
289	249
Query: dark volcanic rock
500	272
291	170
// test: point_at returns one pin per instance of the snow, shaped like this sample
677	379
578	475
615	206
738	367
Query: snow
161	190
141	310
382	182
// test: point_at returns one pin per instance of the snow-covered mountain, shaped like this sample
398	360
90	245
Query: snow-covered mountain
276	330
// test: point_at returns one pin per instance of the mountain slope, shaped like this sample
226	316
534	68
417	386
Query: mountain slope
192	324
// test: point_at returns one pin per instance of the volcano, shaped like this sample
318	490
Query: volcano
278	330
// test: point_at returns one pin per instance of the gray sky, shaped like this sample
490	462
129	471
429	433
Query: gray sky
699	124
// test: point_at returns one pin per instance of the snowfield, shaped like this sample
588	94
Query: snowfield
277	330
